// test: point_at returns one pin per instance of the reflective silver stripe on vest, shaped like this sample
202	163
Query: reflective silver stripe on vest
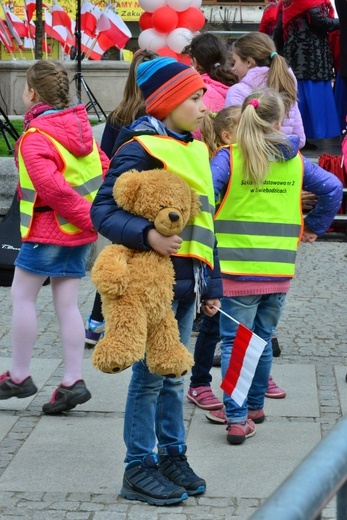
28	194
257	228
88	187
251	254
198	234
25	219
205	205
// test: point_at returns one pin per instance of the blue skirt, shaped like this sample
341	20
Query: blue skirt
51	260
318	109
340	93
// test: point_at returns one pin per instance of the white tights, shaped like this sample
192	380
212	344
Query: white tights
24	291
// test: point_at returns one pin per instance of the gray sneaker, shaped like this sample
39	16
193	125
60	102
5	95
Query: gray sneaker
9	388
64	398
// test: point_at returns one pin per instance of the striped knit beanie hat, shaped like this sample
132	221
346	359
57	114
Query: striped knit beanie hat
165	83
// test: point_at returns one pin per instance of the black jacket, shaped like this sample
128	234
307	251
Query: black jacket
306	44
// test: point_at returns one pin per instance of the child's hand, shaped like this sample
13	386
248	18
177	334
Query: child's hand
308	235
207	306
308	200
165	246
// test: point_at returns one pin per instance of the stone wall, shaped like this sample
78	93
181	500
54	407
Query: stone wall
105	79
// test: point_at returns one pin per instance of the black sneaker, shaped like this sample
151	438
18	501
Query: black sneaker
142	481
65	398
175	467
10	389
276	351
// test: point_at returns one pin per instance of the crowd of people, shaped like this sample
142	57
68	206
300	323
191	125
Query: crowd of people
234	123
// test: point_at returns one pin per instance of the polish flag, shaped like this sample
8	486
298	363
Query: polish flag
90	15
58	32
6	38
30	7
95	49
17	23
112	26
60	17
246	351
11	28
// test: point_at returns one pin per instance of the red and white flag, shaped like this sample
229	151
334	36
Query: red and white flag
58	32
246	351
112	26
6	38
30	7
96	48
60	17
11	28
90	15
17	23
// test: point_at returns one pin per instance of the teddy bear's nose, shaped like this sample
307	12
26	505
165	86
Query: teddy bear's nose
173	216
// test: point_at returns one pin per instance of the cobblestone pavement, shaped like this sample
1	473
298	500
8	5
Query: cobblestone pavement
312	330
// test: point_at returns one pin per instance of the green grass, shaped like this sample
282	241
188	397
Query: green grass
18	125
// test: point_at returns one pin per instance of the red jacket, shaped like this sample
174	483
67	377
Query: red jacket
44	165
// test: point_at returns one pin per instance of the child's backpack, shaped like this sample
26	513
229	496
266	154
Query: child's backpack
10	242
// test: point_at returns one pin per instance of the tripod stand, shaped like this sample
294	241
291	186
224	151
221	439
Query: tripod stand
78	77
7	129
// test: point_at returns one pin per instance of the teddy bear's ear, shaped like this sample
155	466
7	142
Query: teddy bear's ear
195	205
125	189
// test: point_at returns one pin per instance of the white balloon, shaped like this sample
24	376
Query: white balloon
179	5
196	3
151	5
151	39
178	39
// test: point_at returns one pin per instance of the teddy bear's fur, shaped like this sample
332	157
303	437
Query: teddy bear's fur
136	287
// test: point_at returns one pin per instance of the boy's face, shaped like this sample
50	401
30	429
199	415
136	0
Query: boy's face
188	116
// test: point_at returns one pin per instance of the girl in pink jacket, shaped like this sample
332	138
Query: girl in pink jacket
209	54
60	171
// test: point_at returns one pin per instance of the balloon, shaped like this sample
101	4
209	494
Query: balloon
151	39
179	5
178	39
164	19
184	59
145	21
151	5
192	19
196	3
165	51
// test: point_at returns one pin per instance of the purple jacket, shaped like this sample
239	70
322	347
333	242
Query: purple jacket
257	77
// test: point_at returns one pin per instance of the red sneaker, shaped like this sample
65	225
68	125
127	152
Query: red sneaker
239	432
218	416
204	398
273	391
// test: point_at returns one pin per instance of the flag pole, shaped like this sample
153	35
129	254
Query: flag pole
235	321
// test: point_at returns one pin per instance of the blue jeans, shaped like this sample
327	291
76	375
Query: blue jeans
260	313
154	407
204	351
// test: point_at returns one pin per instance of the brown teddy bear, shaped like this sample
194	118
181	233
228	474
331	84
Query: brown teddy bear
136	287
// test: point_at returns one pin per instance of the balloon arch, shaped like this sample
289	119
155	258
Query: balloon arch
169	25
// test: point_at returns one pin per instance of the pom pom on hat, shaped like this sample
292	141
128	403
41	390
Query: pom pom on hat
165	83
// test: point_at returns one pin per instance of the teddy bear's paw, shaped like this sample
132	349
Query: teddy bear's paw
172	368
104	360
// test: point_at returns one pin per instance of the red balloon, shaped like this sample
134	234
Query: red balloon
145	21
192	19
165	51
184	59
164	19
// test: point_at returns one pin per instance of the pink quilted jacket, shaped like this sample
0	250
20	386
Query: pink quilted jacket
44	165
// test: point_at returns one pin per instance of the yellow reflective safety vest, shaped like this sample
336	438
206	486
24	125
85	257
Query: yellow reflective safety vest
190	161
84	174
258	227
